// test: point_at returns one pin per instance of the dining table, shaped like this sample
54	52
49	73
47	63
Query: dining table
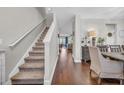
114	55
118	56
122	53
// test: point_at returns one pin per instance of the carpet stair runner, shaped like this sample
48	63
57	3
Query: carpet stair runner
32	71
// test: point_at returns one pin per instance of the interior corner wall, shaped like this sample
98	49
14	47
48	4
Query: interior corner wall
49	19
15	22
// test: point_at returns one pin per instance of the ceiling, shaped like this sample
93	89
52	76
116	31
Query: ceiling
65	15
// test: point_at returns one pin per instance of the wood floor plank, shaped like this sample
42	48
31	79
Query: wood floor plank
69	73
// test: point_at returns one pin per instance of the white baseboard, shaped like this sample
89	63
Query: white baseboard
8	82
21	61
49	82
77	61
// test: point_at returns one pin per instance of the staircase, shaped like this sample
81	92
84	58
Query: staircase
32	71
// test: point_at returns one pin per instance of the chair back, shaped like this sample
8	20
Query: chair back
115	48
122	47
103	48
95	60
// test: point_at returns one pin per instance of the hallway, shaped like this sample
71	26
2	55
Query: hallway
69	73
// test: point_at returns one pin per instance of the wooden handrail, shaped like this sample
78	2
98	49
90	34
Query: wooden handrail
25	34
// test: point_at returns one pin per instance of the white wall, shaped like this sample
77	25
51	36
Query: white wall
49	19
14	23
100	26
120	40
65	19
42	11
51	51
82	26
65	15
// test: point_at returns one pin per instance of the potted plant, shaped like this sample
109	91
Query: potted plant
100	40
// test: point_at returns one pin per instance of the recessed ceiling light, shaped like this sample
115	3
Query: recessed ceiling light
49	9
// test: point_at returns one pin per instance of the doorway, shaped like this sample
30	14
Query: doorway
66	42
63	41
111	33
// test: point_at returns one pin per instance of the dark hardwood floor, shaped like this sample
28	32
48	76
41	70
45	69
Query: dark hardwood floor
69	73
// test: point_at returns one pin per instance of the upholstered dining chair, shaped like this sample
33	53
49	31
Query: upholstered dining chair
115	48
122	47
103	48
105	68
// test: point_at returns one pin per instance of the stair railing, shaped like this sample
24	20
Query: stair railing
25	34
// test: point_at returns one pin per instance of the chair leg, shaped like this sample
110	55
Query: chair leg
99	81
121	81
90	72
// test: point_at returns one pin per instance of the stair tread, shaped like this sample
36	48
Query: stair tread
35	57
32	71
38	47
32	65
35	51
28	75
41	45
39	42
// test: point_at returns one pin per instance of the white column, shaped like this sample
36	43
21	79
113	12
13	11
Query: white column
77	41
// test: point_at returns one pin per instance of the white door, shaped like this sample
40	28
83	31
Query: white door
111	29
